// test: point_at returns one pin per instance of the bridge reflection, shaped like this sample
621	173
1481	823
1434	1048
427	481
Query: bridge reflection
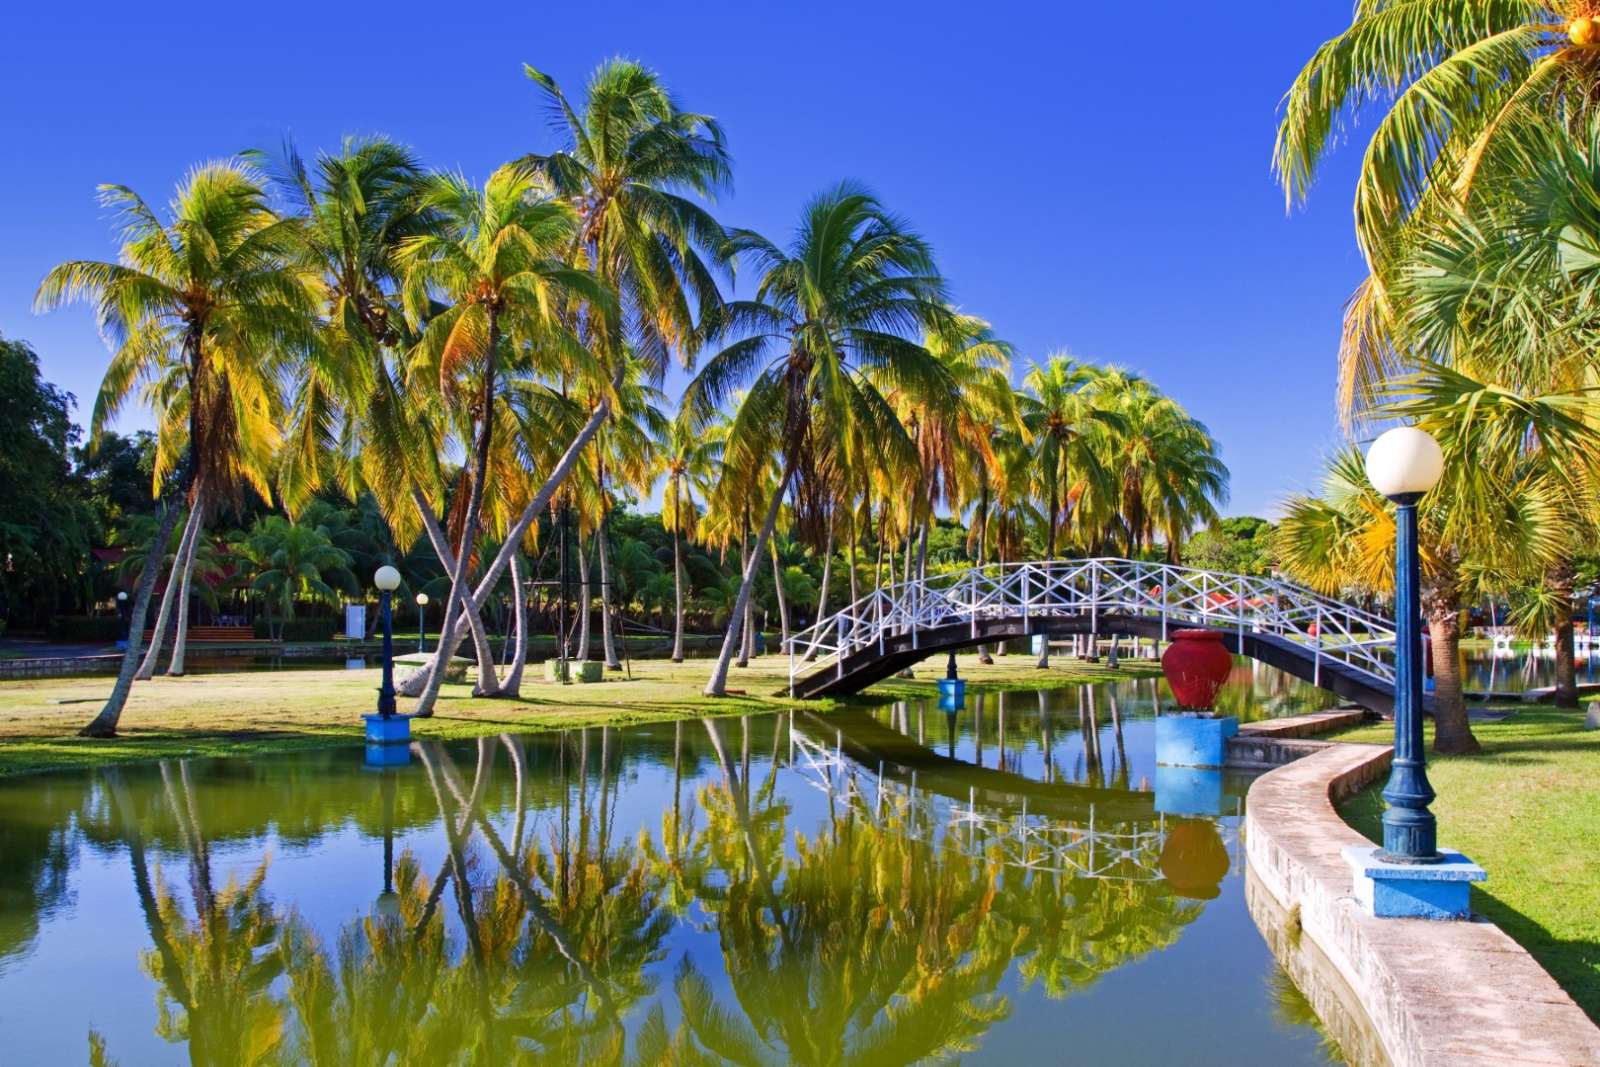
1092	818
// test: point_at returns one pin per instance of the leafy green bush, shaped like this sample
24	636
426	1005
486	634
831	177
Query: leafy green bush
85	628
300	629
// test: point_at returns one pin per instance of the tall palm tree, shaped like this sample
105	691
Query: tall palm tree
854	292
1058	412
207	307
1457	78
1504	291
632	154
1163	463
494	260
687	459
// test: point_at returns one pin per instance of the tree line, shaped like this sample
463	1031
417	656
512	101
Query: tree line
485	362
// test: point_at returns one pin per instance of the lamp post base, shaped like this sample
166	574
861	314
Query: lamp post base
388	729
1390	890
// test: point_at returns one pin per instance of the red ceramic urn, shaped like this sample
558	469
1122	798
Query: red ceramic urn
1196	664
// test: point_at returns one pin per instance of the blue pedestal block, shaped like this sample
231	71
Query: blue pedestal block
1185	739
1188	790
381	757
1413	890
390	730
953	689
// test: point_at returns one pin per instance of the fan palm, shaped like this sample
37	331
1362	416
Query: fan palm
1495	519
1505	291
854	293
206	308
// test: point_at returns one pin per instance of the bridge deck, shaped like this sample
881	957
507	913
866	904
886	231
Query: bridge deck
856	671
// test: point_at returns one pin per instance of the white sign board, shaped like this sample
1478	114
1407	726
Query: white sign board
355	621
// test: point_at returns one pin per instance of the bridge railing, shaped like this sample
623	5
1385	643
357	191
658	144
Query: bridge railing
1329	630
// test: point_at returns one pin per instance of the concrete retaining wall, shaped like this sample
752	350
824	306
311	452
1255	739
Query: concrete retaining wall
1435	993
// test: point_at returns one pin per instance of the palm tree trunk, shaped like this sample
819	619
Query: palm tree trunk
469	528
607	642
783	602
585	604
922	548
105	723
1049	555
450	635
747	642
855	591
677	577
1452	729
414	685
180	643
1560	582
147	669
822	595
512	686
717	685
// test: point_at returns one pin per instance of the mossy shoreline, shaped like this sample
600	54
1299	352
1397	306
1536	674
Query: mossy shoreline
268	712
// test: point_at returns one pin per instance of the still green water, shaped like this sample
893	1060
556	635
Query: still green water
880	886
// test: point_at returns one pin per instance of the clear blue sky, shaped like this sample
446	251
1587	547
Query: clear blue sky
1095	179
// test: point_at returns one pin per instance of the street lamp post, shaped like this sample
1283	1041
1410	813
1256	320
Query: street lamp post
127	618
422	623
1404	464
387	580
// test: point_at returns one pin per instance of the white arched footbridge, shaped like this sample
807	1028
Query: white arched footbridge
1337	646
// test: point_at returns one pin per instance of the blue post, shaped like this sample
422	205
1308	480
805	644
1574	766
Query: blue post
422	626
386	692
1409	829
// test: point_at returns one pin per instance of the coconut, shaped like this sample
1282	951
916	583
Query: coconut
1582	32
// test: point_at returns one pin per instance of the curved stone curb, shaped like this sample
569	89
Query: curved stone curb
1437	993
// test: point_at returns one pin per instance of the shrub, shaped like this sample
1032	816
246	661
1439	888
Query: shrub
300	629
86	628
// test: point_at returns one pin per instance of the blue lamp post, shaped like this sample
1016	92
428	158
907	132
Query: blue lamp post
1409	877
1403	464
386	728
387	580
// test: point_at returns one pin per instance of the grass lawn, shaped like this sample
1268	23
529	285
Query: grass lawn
1528	809
275	711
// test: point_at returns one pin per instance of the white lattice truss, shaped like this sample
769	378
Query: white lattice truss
1030	842
1179	597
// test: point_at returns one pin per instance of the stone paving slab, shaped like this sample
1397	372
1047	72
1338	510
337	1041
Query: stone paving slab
1435	992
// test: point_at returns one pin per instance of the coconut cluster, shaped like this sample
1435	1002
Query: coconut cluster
1584	32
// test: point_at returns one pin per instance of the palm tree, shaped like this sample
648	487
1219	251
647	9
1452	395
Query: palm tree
688	460
206	307
630	156
1058	413
1489	523
1163	462
853	293
495	261
1503	291
293	562
1458	78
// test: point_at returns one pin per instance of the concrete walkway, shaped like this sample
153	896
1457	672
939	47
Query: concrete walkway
1462	994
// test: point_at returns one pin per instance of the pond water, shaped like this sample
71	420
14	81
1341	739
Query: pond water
884	885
